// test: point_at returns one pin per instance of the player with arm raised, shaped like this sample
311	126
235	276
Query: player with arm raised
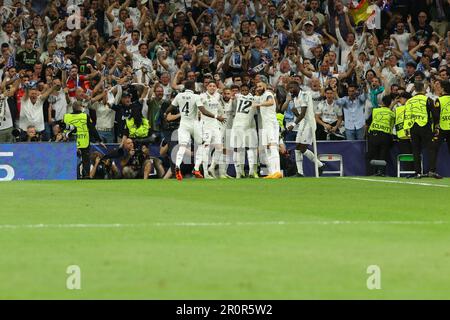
244	134
303	110
270	129
212	118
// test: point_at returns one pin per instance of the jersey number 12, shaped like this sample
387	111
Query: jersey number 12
244	105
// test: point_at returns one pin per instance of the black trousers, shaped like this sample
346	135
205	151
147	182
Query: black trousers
86	161
405	147
379	143
444	135
321	134
421	139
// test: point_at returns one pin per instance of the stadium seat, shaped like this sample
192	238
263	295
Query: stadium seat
406	157
333	158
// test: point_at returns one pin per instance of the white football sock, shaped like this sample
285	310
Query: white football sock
198	157
275	158
251	155
205	157
223	165
239	161
180	155
299	161
311	156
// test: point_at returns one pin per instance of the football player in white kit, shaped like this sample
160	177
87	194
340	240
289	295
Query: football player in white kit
244	134
229	111
303	106
212	128
270	129
188	103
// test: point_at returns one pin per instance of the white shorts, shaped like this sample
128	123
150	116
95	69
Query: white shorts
244	138
188	130
270	133
304	134
212	134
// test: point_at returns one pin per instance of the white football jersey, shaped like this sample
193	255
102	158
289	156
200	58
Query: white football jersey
229	112
188	103
302	101
213	104
245	112
268	114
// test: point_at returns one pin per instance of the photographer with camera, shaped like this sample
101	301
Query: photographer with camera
80	124
102	168
136	161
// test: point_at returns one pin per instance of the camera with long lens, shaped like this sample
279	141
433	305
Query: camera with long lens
22	136
68	131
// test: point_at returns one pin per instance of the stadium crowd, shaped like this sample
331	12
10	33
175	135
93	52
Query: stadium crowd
123	63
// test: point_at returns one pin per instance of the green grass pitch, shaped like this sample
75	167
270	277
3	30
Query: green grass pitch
234	239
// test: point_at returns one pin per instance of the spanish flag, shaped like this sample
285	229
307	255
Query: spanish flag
360	12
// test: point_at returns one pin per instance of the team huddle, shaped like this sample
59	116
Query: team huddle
238	120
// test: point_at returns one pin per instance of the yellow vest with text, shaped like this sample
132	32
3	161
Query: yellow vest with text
416	111
400	119
382	120
444	104
79	121
136	132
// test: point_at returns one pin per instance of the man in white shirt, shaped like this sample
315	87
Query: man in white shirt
391	72
212	129
329	117
309	40
244	134
31	111
306	126
6	121
141	60
270	129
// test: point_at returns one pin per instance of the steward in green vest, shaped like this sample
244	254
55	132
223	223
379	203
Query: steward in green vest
379	138
404	140
421	115
442	128
85	132
136	126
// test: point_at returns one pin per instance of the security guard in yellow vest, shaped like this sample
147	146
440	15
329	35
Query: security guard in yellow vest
403	138
421	115
136	126
85	132
442	107
379	138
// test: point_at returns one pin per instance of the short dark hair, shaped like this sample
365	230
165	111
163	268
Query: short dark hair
189	85
445	84
387	100
419	86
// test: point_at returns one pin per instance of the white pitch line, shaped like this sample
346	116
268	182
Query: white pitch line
217	224
399	182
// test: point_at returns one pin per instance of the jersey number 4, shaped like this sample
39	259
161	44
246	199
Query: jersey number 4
185	109
244	105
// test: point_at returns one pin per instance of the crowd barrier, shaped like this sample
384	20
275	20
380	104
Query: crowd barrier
354	158
38	161
58	161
